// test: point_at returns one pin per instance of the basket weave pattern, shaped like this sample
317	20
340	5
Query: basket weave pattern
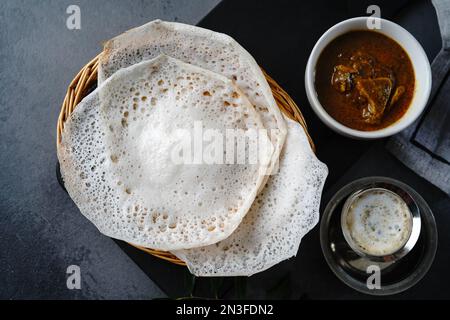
86	79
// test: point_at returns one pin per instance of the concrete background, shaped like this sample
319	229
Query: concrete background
41	230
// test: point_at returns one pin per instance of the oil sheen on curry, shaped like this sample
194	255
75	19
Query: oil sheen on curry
365	80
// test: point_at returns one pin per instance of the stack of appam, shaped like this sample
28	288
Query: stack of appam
182	148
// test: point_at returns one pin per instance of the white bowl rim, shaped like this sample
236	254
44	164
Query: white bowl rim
394	128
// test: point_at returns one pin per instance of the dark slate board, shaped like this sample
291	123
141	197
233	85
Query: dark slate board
280	35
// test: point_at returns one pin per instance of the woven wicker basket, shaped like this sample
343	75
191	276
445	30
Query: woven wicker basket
86	80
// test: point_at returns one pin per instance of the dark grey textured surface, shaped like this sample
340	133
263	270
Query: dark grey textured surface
41	230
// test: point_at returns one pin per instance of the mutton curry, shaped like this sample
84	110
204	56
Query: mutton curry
365	80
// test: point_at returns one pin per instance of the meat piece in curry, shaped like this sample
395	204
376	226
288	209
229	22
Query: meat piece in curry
365	80
376	93
342	79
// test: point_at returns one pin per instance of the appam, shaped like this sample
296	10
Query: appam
285	210
117	158
207	49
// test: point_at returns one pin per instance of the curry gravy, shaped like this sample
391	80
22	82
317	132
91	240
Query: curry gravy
365	80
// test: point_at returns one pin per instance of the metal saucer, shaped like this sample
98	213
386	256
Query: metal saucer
396	276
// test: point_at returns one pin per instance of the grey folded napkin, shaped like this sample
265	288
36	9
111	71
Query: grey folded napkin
425	146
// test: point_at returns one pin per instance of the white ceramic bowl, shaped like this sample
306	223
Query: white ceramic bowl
419	61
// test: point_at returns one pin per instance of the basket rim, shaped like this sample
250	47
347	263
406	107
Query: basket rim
86	78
